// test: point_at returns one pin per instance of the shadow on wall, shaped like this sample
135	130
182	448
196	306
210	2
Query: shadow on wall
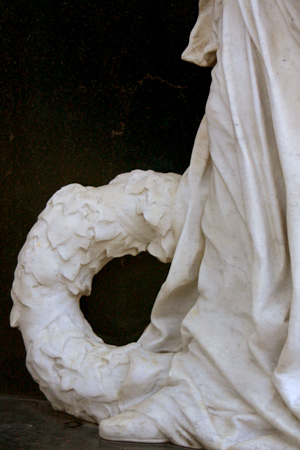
122	297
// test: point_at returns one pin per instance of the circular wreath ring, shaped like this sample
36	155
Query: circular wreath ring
80	230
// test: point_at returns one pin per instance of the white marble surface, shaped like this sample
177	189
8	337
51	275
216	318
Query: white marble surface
219	364
81	229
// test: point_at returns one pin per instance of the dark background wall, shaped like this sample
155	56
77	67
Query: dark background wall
89	90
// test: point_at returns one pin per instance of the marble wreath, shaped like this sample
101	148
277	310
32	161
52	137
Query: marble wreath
219	364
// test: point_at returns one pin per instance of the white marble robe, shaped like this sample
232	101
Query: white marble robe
230	307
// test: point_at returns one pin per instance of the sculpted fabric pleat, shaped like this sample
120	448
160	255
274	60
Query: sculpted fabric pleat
241	336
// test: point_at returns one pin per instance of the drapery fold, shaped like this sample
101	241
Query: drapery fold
231	303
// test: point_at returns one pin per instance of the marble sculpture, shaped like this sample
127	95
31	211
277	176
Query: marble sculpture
219	365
